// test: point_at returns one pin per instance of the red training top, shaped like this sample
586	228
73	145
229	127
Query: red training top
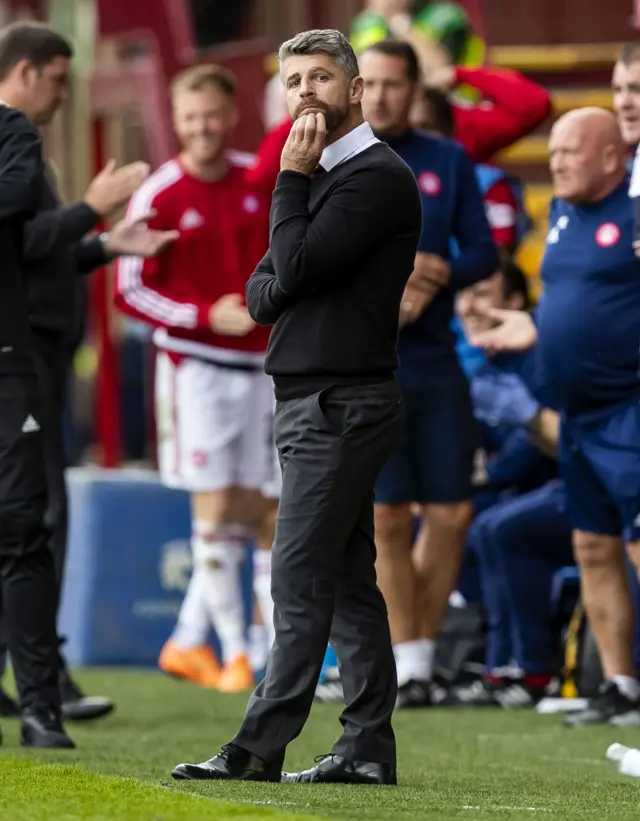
223	235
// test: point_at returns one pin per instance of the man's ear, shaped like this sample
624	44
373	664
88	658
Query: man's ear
22	71
357	90
610	159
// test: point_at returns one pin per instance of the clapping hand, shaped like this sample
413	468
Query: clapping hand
133	237
305	144
113	186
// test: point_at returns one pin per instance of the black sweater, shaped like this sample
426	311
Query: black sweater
343	246
21	174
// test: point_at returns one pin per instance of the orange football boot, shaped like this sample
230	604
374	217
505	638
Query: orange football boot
197	664
236	676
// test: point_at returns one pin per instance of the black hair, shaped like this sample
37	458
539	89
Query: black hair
35	42
398	48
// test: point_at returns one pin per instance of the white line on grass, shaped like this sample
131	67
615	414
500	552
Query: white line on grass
504	809
596	762
271	803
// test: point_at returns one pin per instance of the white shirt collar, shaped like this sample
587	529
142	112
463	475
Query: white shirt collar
356	141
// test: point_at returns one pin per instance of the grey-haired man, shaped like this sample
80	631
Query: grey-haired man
345	224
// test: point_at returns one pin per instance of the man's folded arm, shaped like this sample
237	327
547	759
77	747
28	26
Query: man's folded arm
265	299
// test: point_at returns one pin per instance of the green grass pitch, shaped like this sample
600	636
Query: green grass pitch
473	765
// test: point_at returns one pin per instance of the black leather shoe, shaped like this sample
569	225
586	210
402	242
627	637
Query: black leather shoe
43	728
231	764
78	707
8	707
334	769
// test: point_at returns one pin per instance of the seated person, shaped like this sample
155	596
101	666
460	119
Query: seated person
519	543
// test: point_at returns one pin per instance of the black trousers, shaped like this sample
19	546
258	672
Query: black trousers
28	586
51	357
332	446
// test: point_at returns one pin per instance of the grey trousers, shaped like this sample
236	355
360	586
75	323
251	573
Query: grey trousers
332	446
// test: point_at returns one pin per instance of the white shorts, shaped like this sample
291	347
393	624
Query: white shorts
215	425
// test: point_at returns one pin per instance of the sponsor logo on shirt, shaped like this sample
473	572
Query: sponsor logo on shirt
429	183
607	235
191	219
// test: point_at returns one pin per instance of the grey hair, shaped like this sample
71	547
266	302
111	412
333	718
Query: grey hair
322	41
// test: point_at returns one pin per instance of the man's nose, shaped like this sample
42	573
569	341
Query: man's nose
306	89
555	163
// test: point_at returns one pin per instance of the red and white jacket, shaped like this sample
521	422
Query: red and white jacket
224	233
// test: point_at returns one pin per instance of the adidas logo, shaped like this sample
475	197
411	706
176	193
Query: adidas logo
30	425
191	219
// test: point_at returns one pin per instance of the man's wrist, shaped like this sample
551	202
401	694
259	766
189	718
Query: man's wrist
107	246
297	170
94	207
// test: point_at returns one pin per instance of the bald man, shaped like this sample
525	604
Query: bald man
588	335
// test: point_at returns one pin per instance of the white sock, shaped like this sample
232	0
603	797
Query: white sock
628	686
262	590
414	660
219	556
258	646
193	625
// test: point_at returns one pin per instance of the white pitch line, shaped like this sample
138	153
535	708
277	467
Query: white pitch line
270	803
505	809
594	761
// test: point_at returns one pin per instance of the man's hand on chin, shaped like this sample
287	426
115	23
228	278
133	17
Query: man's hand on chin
305	144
